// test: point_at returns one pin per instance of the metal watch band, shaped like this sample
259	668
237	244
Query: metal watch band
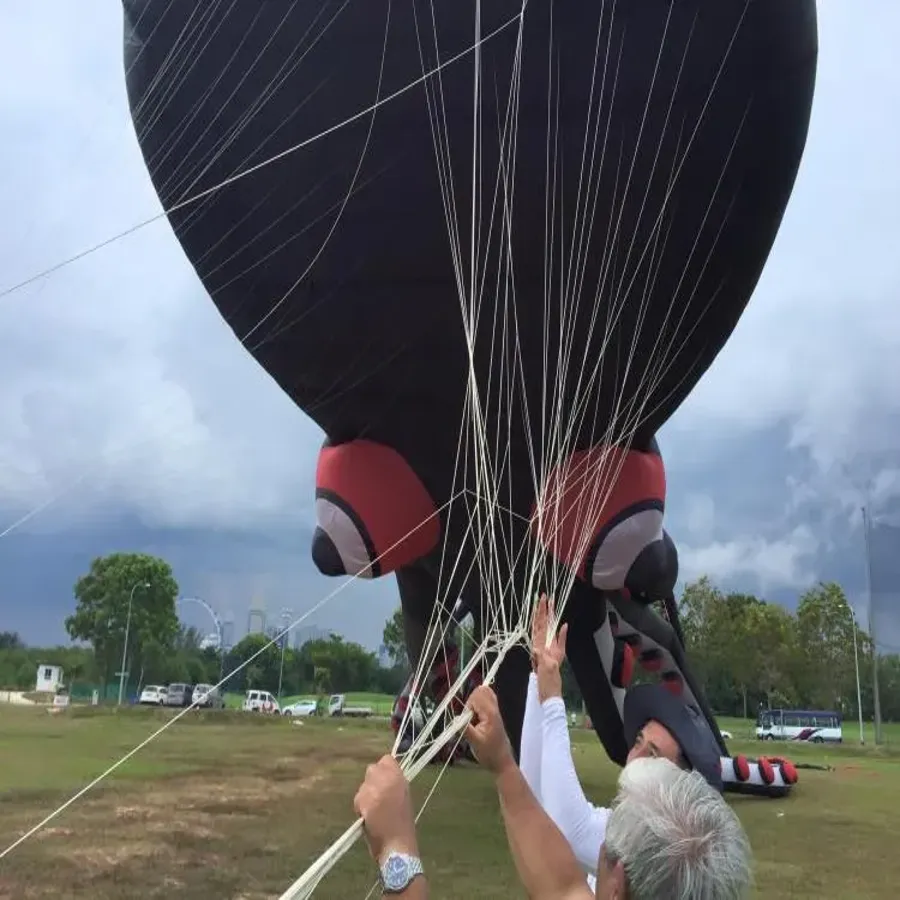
413	868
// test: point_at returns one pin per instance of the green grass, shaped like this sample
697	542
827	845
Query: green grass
230	805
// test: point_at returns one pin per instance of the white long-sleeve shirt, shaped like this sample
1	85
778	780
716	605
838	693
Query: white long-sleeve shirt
545	759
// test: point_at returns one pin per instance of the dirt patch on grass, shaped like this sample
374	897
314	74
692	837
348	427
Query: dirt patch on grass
188	835
201	808
112	857
46	834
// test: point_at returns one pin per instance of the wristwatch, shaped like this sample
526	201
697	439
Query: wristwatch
398	871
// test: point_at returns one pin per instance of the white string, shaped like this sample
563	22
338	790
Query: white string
624	422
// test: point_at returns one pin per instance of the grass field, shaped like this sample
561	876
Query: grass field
225	805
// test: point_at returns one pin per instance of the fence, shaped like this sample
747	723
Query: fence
83	692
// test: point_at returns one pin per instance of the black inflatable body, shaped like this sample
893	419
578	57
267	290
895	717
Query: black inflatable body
655	149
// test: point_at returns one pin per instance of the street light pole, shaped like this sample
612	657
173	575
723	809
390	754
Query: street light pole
287	615
143	584
876	696
862	735
222	655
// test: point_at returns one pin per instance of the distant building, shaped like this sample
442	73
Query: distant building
228	631
49	679
256	617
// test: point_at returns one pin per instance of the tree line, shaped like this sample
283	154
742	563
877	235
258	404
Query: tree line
162	651
749	653
746	652
186	662
321	666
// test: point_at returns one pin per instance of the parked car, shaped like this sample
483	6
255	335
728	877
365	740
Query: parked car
301	709
208	696
179	694
260	701
153	695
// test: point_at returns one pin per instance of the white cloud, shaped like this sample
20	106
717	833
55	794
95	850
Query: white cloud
817	354
118	366
784	563
700	516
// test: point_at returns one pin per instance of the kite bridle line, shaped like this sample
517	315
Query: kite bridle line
620	431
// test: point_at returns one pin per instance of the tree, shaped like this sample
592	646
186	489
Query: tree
739	646
771	641
889	687
183	660
738	653
702	615
349	666
10	640
825	631
262	672
392	639
698	609
101	612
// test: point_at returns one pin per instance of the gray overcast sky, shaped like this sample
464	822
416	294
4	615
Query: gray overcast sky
124	392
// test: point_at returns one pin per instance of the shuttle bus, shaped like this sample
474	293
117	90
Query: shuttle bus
816	725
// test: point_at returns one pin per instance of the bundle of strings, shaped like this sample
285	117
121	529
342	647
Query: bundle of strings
494	560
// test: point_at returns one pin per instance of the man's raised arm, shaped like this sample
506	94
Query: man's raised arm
546	865
384	804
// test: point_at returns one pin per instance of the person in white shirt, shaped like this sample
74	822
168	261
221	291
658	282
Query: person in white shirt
657	724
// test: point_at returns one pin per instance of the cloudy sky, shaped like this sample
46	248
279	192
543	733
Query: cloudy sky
131	418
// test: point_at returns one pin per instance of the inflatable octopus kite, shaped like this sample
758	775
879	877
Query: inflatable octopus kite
307	155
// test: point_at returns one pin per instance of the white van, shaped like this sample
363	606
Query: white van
208	697
260	701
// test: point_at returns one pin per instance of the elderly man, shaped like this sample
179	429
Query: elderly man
657	724
670	836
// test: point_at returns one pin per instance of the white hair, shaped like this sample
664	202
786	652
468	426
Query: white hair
676	836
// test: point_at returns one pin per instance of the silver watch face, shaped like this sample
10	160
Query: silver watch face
398	871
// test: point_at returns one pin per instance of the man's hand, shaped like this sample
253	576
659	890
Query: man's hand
549	657
538	630
486	734
384	804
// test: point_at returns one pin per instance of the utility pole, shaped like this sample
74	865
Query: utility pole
287	616
876	697
862	733
221	655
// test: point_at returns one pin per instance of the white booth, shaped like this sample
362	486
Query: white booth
49	679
